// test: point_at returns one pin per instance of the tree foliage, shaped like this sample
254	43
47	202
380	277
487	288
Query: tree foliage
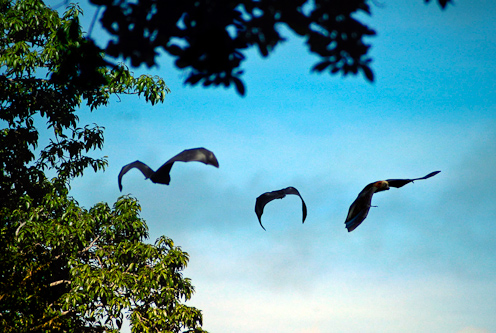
62	267
49	70
208	38
67	268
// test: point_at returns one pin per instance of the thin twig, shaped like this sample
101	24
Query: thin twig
19	228
91	245
56	283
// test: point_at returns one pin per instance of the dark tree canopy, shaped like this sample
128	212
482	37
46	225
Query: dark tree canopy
208	37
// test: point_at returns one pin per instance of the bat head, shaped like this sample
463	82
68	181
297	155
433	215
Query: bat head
381	185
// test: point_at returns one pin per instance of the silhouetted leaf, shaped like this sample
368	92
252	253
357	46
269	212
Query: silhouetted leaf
442	3
368	73
240	87
194	78
174	50
321	66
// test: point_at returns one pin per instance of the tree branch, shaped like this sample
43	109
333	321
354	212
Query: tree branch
89	246
19	228
56	283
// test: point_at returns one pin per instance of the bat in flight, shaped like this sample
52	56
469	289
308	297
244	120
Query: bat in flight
162	176
361	206
279	194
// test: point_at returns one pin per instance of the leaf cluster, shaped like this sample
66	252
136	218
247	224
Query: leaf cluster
65	266
209	38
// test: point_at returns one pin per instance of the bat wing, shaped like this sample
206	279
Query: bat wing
189	155
292	190
402	182
145	169
196	154
267	197
359	209
432	174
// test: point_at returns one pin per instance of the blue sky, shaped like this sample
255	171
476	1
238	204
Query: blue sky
424	259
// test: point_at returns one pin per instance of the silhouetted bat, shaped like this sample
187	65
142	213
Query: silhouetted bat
161	176
269	196
361	206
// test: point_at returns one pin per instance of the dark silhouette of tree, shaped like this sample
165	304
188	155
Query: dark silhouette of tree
208	38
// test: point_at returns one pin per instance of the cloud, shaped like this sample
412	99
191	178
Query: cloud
473	330
347	302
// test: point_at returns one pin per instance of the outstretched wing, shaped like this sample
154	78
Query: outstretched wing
145	169
203	155
402	182
267	197
359	209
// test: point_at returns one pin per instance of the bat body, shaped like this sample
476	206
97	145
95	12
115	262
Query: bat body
359	209
162	175
267	197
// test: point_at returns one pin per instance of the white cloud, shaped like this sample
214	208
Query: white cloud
473	330
347	302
